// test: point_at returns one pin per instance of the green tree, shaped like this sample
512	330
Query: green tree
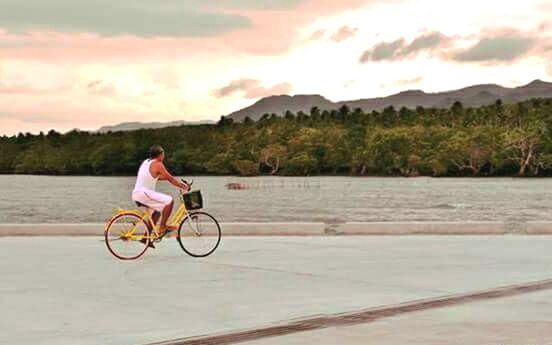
524	147
220	164
495	139
469	150
302	164
246	168
274	156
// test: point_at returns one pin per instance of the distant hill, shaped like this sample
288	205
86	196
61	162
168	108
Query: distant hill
472	96
132	126
280	104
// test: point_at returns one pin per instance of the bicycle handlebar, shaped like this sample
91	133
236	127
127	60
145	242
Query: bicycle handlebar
190	183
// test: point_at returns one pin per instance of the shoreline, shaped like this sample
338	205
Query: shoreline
311	229
302	176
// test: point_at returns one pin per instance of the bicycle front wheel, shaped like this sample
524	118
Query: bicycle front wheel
199	234
127	236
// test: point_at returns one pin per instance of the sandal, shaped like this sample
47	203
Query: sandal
150	245
169	228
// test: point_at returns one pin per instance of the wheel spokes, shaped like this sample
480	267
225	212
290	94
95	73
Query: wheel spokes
199	234
125	237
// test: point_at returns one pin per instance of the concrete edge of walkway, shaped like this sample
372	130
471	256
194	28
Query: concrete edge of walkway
309	229
321	321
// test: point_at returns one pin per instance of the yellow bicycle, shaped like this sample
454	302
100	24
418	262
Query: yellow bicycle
128	233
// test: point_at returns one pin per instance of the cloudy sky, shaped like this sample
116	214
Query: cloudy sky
82	64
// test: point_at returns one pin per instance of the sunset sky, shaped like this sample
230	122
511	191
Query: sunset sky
68	64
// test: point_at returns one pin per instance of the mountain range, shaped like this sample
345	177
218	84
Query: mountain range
132	126
471	96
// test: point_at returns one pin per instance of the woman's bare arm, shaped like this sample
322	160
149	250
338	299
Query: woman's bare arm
165	175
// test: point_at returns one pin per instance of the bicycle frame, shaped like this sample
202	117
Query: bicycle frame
145	216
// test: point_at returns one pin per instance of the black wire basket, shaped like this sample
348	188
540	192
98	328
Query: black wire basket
193	200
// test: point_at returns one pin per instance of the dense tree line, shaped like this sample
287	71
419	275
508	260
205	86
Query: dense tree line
495	140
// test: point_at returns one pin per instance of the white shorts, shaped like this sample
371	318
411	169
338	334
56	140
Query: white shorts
152	199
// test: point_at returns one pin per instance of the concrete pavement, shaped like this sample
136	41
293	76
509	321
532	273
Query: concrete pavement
68	290
310	228
525	319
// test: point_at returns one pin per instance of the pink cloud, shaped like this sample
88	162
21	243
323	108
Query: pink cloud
271	31
33	113
16	88
24	87
62	100
252	88
502	45
415	80
235	86
53	46
344	33
166	76
318	34
101	88
543	27
546	7
279	89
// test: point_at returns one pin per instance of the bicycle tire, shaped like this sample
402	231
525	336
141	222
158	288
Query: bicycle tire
110	227
215	228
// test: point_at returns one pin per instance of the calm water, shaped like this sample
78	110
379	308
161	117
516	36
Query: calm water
43	199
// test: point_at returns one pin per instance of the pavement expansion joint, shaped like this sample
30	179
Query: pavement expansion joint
359	316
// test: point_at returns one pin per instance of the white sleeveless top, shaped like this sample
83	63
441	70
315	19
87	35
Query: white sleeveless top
144	180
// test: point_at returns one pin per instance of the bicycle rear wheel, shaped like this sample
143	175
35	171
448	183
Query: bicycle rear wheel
127	236
199	234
